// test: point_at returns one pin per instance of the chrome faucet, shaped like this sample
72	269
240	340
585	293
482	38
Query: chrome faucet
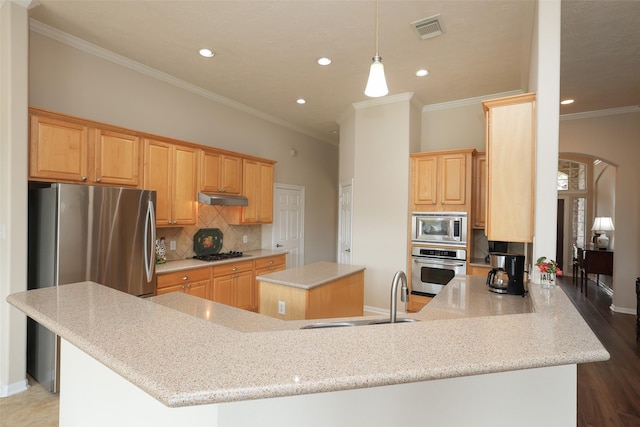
404	296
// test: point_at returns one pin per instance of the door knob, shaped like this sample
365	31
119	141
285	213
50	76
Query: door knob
278	245
348	250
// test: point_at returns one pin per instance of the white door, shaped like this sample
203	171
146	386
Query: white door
345	220
288	222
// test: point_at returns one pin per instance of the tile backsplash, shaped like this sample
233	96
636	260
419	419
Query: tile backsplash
210	217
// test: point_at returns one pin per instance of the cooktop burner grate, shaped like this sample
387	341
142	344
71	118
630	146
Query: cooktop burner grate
219	256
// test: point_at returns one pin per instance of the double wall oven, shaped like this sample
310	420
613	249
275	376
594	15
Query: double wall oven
438	251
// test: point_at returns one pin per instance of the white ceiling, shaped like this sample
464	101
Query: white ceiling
266	50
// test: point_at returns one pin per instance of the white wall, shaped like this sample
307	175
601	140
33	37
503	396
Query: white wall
13	193
545	81
614	138
382	144
76	82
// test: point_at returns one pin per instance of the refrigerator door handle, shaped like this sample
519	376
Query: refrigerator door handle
150	225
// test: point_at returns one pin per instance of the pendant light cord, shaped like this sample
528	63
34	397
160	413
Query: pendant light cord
377	3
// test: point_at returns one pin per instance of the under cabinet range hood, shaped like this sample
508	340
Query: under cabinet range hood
222	199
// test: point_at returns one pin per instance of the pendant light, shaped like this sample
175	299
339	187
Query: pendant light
377	84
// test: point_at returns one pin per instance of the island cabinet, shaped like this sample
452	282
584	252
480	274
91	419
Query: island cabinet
194	282
233	284
257	187
220	172
170	169
479	191
510	139
67	149
265	266
417	303
441	181
315	291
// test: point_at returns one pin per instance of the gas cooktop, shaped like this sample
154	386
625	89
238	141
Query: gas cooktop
219	256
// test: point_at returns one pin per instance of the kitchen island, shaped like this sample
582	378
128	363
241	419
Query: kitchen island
315	291
473	358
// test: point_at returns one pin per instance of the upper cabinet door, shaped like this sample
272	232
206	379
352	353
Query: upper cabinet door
117	158
453	178
184	206
58	150
424	180
220	173
158	176
441	181
510	167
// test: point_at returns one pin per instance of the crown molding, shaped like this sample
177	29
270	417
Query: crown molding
391	99
83	45
601	113
468	101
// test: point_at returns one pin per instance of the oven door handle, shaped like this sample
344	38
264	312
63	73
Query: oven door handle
438	263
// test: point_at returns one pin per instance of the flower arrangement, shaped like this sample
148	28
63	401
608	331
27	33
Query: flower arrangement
548	266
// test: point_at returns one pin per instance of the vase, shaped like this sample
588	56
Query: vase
161	254
548	280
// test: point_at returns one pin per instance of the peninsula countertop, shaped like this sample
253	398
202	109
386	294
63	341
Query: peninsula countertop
312	275
464	331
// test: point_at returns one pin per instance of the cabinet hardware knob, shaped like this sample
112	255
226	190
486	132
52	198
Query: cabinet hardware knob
84	178
185	277
234	268
99	180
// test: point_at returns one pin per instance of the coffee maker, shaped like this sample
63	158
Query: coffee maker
507	274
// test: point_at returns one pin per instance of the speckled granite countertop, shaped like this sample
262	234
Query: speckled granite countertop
312	275
190	263
187	351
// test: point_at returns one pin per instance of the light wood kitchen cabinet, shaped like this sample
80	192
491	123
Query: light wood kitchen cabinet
265	266
510	138
67	149
441	181
257	187
193	282
170	170
417	302
220	173
233	284
476	270
479	190
117	158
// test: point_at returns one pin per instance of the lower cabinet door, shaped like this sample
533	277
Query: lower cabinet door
222	290
244	290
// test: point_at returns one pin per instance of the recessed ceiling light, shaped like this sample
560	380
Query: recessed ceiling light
207	53
301	101
422	72
324	61
567	102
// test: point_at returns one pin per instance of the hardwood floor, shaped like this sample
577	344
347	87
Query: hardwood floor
608	392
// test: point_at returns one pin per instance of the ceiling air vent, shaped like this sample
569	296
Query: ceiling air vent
429	27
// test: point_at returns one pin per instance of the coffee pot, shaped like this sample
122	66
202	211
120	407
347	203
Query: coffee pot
507	274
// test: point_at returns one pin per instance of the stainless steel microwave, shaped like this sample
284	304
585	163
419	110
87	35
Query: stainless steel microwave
439	227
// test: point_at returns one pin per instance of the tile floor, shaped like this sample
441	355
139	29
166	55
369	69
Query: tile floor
35	407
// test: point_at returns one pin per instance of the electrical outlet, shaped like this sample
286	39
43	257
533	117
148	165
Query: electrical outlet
244	239
172	245
281	307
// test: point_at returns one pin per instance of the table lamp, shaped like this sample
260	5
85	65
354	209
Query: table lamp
601	225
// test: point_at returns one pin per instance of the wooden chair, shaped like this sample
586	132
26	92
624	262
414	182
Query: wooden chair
575	264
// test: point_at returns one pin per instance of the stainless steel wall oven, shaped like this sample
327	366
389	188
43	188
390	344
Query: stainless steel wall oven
433	268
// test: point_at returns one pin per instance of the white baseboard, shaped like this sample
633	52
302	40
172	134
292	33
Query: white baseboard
623	310
7	390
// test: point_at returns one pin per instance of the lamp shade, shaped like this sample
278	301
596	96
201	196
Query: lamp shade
602	223
377	84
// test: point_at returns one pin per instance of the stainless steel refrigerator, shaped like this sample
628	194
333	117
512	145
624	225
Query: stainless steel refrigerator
86	233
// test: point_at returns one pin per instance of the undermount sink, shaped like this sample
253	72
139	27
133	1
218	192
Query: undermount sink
340	324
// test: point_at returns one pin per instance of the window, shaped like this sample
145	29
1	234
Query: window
572	180
572	176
